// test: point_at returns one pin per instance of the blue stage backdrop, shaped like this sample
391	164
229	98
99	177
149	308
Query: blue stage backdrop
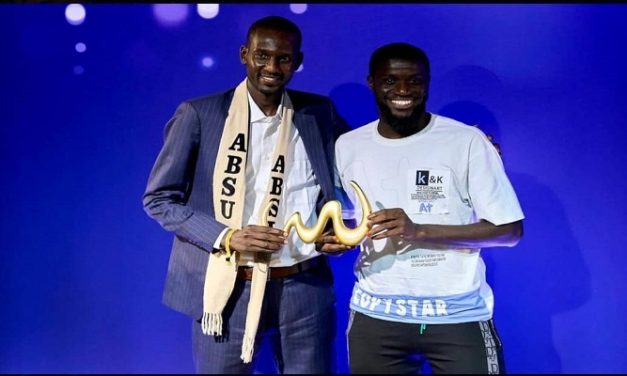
86	92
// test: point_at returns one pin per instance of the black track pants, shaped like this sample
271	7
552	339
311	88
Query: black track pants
387	347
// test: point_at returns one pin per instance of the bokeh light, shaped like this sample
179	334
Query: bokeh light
80	47
208	11
170	14
298	8
207	62
75	14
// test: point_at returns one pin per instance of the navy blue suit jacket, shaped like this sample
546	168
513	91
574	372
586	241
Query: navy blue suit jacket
179	193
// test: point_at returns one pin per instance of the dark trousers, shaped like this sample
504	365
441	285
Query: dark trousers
297	315
387	347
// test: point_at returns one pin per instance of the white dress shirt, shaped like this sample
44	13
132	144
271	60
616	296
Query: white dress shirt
301	187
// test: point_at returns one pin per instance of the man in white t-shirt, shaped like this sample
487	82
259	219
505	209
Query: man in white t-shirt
439	194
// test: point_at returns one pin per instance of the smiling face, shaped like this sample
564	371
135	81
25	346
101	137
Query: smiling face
271	58
401	88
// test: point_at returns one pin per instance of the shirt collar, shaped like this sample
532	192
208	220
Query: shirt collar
256	114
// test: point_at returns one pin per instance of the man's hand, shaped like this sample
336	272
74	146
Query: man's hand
496	145
253	238
391	222
491	139
330	245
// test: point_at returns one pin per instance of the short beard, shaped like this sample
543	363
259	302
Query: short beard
404	126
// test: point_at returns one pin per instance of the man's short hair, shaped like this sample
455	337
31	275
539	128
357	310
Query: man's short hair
399	50
276	23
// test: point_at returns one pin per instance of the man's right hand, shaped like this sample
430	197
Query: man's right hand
253	238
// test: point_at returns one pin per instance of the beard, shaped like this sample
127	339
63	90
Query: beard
404	126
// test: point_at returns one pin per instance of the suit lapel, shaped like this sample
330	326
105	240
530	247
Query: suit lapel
310	134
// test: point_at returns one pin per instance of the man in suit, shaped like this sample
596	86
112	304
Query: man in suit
225	159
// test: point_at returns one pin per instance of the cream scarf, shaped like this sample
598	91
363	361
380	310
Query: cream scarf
228	201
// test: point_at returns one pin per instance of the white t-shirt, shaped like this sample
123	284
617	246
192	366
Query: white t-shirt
449	173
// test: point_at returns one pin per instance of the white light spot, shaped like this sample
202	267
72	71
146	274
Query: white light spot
75	14
78	70
170	14
207	62
300	69
298	8
208	10
80	47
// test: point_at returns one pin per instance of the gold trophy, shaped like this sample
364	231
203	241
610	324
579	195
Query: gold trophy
332	210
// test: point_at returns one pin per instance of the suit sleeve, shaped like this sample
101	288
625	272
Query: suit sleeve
340	127
169	184
348	208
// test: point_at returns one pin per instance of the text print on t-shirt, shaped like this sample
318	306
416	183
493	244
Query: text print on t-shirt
429	191
427	260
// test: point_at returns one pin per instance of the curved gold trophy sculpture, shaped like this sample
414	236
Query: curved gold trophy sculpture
331	210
